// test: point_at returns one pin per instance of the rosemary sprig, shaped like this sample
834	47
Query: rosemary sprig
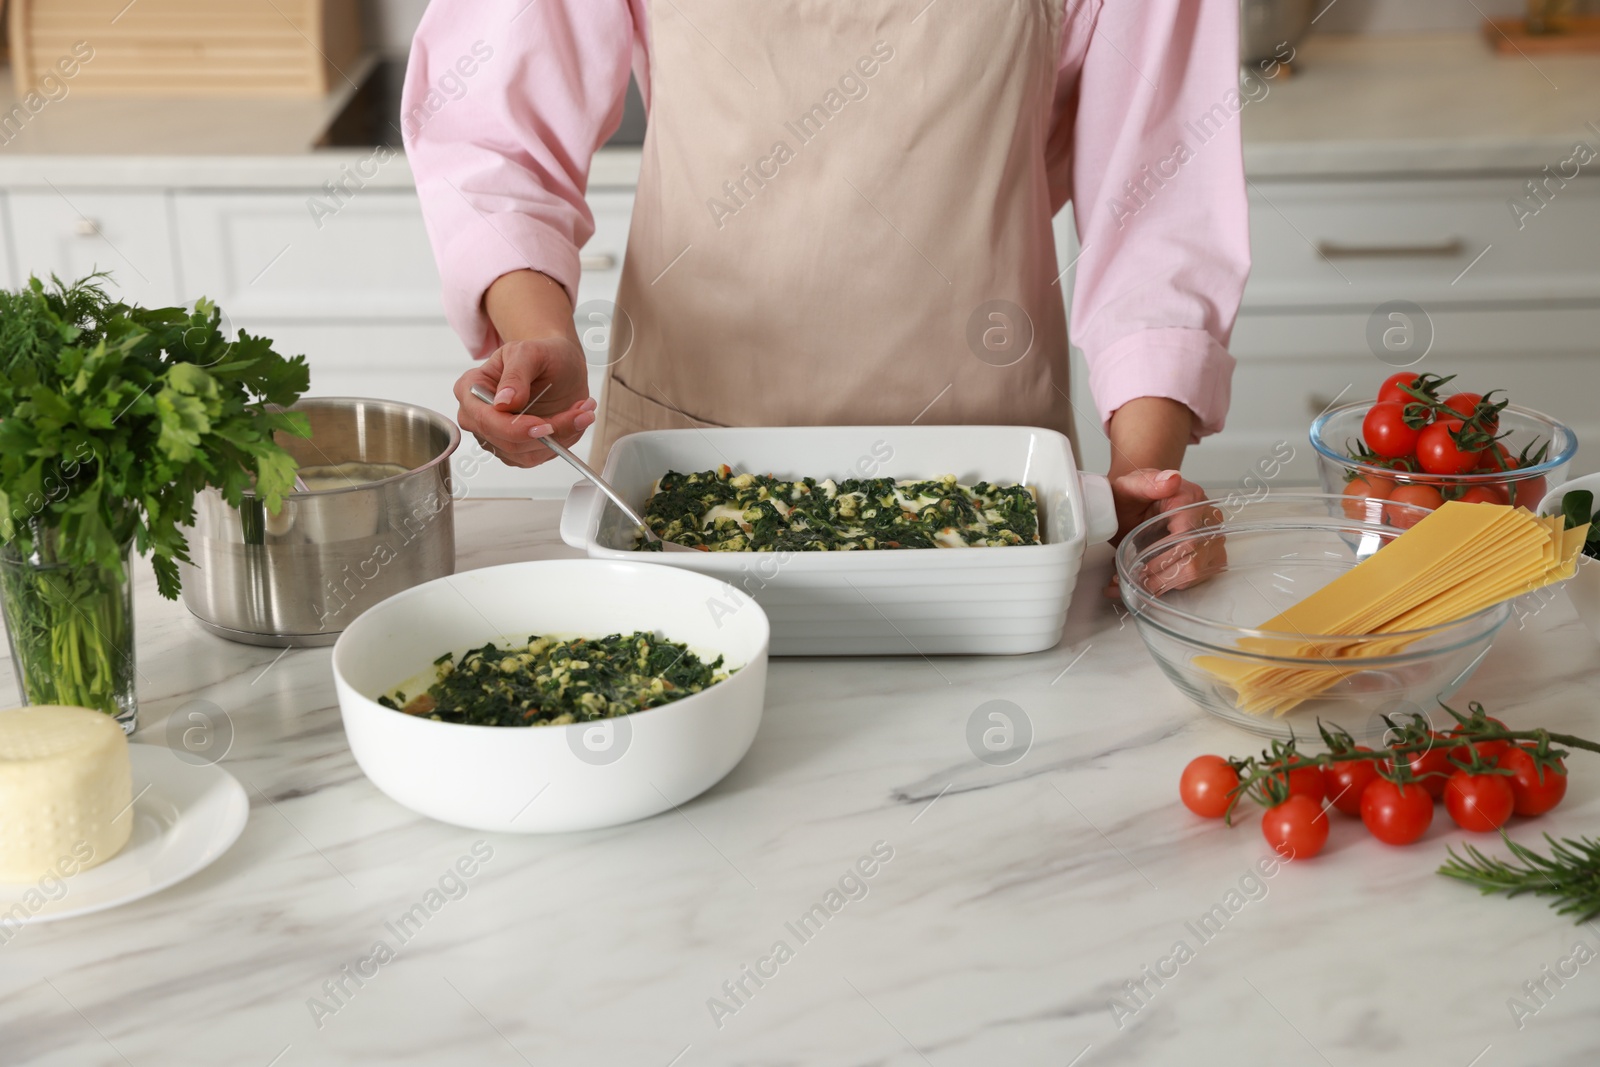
1571	873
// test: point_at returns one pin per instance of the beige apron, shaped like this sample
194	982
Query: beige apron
843	218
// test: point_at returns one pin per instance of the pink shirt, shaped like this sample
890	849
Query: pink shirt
506	102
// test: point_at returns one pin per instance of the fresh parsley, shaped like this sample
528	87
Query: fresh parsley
113	418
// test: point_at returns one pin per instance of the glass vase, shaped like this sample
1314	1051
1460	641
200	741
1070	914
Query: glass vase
71	630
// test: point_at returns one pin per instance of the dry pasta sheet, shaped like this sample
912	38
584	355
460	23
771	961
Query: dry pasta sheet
1458	560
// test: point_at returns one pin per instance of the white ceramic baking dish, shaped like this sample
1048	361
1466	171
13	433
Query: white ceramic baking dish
981	601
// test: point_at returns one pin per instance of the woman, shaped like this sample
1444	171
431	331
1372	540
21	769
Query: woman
843	214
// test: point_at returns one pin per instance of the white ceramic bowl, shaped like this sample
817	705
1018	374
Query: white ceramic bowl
550	778
961	601
1584	588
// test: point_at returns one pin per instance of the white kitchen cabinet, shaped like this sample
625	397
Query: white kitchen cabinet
8	247
1523	317
1427	241
601	258
75	232
266	257
1293	367
359	295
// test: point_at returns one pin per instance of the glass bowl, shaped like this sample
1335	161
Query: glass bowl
1335	433
1200	580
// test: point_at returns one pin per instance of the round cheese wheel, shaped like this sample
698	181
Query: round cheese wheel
65	791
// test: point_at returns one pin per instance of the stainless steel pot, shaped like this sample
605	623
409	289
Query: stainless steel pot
1265	25
299	577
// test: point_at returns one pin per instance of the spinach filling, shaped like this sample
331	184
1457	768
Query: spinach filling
720	511
551	681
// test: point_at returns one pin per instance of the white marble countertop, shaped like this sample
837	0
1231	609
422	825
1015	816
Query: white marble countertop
1017	902
1405	104
1439	103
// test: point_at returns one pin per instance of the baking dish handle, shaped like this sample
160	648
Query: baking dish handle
577	513
1099	509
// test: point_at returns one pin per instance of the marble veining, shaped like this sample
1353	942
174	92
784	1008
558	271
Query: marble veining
1019	904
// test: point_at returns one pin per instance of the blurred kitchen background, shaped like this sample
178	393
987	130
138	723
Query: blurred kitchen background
1423	188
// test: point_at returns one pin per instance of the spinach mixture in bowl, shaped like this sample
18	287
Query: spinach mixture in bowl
551	681
719	511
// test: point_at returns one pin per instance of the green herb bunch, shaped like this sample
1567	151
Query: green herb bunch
113	418
1577	509
1570	874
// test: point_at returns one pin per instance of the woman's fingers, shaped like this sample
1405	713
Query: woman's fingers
1143	494
520	451
565	428
1185	565
1146	485
540	390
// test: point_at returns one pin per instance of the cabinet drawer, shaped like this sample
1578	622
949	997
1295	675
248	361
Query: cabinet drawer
8	246
1365	243
264	255
602	256
128	234
1293	367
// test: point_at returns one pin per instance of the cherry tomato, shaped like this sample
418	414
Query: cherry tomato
1386	433
1438	453
1431	768
1488	751
1527	492
1478	802
1394	814
1304	781
1485	494
1422	496
1296	829
1530	795
1466	405
1496	459
1345	782
1392	388
1366	486
1206	784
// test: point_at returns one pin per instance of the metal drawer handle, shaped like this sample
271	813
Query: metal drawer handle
598	261
86	227
1443	250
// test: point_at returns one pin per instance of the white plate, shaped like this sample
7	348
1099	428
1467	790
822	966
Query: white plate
184	817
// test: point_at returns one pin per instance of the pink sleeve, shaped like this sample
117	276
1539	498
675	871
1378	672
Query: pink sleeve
505	102
1158	192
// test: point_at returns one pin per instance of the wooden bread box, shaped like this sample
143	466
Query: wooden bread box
187	48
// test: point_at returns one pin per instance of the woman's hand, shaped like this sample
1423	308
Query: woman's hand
1145	493
541	389
538	378
1149	435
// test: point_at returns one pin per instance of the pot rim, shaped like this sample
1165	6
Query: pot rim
452	434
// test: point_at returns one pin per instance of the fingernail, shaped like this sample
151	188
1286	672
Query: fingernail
542	430
584	420
589	404
1164	475
505	396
